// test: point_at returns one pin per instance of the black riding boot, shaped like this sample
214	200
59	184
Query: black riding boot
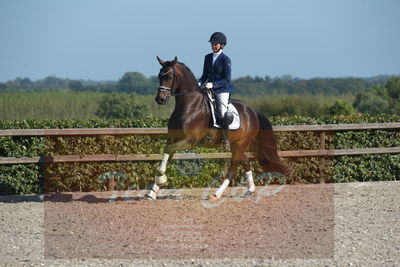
225	121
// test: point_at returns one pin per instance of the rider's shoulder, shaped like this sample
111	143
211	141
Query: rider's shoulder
225	57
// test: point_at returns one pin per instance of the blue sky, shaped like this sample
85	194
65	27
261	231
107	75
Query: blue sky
101	40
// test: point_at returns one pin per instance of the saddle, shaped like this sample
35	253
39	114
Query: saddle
212	102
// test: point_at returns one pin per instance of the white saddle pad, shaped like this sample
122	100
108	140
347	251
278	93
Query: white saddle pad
231	108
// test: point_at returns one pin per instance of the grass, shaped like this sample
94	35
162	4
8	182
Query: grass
65	105
83	105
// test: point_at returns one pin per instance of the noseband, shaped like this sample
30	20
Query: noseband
164	88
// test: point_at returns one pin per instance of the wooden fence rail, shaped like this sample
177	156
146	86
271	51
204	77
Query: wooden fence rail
321	130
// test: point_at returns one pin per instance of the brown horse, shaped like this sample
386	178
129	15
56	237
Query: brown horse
190	123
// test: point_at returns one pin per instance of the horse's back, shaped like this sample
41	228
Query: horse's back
250	115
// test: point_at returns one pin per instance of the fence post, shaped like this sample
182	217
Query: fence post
322	164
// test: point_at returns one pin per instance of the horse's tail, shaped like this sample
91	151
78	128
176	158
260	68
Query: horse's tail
267	150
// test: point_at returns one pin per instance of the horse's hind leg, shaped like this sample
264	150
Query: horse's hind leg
232	170
248	175
237	157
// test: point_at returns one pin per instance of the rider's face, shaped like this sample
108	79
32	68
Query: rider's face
216	47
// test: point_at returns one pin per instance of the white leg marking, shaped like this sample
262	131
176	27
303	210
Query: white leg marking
161	180
153	192
221	189
163	165
250	181
155	188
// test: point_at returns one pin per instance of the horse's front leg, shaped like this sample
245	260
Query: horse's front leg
160	178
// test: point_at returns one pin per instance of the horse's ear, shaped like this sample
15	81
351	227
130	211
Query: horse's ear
160	61
173	62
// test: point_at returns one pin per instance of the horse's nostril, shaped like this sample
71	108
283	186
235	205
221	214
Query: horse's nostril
160	100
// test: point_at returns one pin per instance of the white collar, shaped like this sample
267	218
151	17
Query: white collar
218	53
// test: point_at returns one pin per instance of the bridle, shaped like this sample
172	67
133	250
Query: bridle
169	89
164	88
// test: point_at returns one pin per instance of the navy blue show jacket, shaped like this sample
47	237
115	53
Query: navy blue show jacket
219	73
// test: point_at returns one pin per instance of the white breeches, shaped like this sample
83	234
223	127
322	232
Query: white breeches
222	102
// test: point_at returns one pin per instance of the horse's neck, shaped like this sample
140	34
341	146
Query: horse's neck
189	101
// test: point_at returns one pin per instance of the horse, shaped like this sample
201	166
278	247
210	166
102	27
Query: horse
189	124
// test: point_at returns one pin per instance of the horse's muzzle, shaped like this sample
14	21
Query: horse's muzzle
161	100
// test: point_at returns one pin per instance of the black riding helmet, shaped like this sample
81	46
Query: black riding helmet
218	38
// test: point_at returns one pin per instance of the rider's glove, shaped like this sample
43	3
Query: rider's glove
209	85
199	83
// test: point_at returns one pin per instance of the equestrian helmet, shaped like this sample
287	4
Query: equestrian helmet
218	38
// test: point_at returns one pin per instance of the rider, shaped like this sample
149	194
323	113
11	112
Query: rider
217	74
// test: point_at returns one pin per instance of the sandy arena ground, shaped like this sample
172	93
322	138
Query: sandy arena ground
292	225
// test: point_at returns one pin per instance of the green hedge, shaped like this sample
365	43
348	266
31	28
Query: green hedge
36	178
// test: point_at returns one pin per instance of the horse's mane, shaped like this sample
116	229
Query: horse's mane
189	72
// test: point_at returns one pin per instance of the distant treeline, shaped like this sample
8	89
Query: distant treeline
135	82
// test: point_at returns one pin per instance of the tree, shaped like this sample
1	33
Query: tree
393	87
26	82
370	102
53	81
120	106
75	85
341	107
2	87
380	99
135	82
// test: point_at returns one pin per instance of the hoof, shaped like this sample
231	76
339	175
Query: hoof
151	195
212	198
248	194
